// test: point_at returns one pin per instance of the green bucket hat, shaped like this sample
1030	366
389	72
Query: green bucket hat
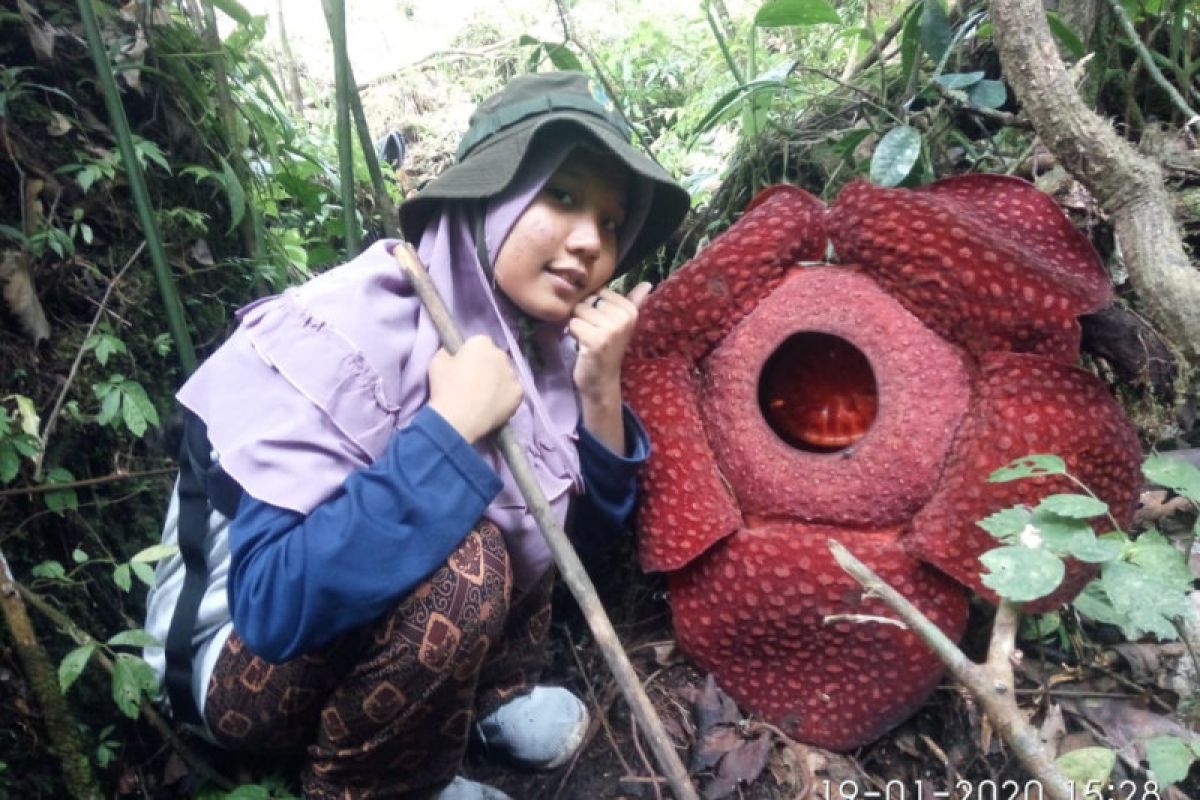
502	132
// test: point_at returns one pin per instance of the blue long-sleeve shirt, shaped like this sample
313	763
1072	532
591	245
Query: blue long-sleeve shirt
298	581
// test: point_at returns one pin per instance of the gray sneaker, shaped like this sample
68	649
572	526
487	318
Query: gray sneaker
462	789
539	730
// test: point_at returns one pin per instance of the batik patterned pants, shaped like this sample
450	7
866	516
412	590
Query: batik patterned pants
385	711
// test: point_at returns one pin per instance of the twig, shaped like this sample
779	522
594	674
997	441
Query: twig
863	618
992	682
1189	114
81	637
114	478
569	566
881	43
637	745
52	419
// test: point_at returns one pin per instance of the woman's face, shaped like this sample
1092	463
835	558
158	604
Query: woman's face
564	246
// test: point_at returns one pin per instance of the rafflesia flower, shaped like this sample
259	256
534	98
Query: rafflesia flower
792	402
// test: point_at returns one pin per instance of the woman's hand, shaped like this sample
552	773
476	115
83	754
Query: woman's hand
603	325
475	390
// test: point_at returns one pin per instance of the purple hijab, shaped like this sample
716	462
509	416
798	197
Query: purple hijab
314	381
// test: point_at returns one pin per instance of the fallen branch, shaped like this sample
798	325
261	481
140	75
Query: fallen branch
992	682
62	729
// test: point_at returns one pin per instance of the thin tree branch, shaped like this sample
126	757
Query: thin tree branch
52	419
1189	114
992	682
41	488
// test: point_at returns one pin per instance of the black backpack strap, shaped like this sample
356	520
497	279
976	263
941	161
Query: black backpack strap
194	512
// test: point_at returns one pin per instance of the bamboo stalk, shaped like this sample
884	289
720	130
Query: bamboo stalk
246	226
137	185
569	566
335	17
383	200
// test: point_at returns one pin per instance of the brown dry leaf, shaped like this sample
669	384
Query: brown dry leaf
1155	504
742	765
1125	726
20	297
41	33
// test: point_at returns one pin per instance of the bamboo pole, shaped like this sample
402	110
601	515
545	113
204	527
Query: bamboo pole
137	185
335	16
569	566
383	200
246	225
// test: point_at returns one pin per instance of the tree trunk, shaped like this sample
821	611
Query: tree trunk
1127	186
62	729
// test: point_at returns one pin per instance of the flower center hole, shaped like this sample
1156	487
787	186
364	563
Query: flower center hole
818	393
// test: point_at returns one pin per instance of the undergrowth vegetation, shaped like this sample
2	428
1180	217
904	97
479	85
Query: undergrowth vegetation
243	188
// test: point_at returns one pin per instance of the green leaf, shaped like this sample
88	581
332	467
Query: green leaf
234	10
134	638
27	412
1060	534
49	569
1095	550
78	556
1006	523
122	577
1029	467
234	193
988	94
26	445
10	462
782	13
136	408
895	155
1170	758
1093	602
1076	506
1156	555
131	679
935	30
105	344
1022	574
1143	603
155	552
562	57
72	665
144	572
110	406
959	80
1088	765
64	500
1066	37
1174	473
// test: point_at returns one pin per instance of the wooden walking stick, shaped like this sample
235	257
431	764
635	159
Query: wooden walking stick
569	565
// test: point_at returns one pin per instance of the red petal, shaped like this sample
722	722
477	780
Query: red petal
987	261
1027	405
685	505
752	612
888	474
699	302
